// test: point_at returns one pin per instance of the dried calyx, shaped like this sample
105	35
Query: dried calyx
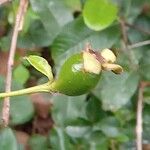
104	60
109	63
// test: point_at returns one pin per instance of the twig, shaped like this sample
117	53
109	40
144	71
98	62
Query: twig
19	17
125	38
139	119
124	33
139	128
4	1
137	28
126	42
139	44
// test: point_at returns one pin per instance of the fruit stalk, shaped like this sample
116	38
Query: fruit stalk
47	87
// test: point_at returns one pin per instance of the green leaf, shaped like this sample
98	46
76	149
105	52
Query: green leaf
75	5
43	23
37	36
30	17
5	43
116	90
124	114
146	95
111	128
38	142
146	123
21	107
98	141
7	140
99	14
53	15
77	131
74	37
128	145
146	118
41	65
21	110
93	110
144	65
70	107
59	140
21	74
54	10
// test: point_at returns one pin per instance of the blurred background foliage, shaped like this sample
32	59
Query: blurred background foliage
103	119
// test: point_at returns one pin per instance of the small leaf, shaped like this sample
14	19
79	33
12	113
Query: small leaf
77	131
110	122
111	128
41	65
116	90
21	74
68	106
7	140
99	14
94	111
21	110
144	65
59	140
38	142
147	95
98	141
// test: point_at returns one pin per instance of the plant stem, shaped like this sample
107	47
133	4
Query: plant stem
139	119
47	87
19	19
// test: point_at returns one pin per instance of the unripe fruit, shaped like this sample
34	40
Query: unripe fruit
78	75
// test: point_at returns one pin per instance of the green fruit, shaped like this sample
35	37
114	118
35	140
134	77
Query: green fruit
74	79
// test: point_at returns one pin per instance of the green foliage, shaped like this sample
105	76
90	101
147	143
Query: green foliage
63	105
99	14
59	140
105	117
41	65
52	14
75	35
38	142
118	87
21	110
93	110
21	74
7	139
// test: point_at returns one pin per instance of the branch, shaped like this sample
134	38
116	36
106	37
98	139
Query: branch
126	42
139	44
139	128
124	32
17	27
139	119
137	28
